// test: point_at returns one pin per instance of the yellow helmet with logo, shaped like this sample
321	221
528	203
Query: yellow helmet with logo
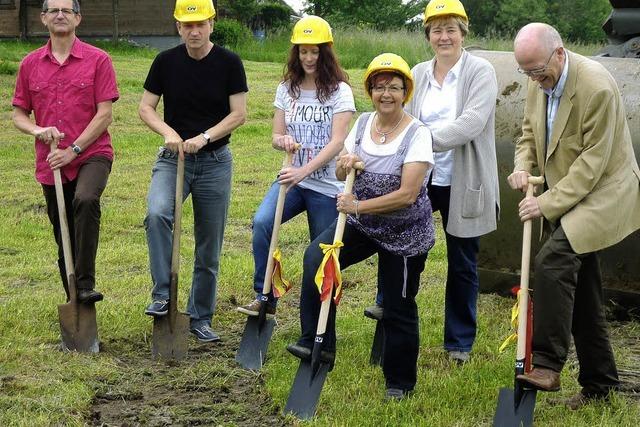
393	63
311	30
193	10
437	8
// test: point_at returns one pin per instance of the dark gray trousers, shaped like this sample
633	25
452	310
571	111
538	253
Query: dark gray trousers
568	301
82	202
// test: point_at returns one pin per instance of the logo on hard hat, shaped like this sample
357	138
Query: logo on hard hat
440	6
386	63
192	8
308	31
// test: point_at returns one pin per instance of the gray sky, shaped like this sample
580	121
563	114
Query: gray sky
296	5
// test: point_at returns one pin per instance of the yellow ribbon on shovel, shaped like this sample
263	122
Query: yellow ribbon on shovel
329	273
280	285
511	339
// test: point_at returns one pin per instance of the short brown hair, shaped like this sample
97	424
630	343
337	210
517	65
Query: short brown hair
462	24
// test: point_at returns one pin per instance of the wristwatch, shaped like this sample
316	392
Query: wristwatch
76	149
206	137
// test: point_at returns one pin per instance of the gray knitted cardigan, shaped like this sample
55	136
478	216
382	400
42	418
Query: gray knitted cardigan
475	198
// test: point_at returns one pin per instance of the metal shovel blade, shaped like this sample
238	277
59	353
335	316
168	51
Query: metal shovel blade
510	413
306	389
254	342
377	346
170	343
78	327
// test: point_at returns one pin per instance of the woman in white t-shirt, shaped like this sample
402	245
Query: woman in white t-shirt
389	215
314	106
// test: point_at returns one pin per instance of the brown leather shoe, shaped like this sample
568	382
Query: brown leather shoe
542	379
579	400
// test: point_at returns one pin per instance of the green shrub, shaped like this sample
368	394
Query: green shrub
274	15
230	33
8	68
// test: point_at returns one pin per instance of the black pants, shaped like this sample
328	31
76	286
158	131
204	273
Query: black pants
82	202
399	279
568	301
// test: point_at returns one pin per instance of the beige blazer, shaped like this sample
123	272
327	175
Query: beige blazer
590	168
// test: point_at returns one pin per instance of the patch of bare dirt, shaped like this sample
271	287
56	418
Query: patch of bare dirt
206	388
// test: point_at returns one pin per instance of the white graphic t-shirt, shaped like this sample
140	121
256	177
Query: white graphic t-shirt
309	122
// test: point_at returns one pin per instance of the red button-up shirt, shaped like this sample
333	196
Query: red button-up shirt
66	96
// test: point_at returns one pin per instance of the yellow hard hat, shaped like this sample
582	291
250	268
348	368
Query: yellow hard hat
194	10
437	8
311	30
390	62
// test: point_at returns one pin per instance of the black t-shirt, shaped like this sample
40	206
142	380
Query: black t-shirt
196	92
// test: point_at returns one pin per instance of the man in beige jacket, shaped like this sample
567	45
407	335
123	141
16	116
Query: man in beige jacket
575	134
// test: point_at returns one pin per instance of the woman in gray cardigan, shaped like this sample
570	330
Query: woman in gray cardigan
456	98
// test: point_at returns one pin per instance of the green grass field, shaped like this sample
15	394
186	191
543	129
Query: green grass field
39	385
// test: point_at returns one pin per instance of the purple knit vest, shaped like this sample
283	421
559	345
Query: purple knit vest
408	231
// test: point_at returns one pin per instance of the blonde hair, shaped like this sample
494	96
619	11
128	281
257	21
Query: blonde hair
443	20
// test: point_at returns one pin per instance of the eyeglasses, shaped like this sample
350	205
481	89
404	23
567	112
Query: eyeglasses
56	10
394	90
537	71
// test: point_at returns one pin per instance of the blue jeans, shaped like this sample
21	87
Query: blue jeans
461	294
321	212
207	177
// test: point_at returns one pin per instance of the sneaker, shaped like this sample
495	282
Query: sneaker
374	312
304	353
204	333
460	357
89	296
158	308
396	394
253	309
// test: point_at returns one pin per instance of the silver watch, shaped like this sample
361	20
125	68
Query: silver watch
206	137
76	148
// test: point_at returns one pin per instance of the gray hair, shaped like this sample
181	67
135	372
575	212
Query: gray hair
75	6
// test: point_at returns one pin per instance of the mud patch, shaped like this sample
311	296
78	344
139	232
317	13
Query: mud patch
207	388
510	89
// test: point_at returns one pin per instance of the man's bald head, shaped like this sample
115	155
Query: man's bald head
536	37
539	52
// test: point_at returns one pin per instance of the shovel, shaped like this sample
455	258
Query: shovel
170	332
78	325
311	374
258	329
515	407
377	346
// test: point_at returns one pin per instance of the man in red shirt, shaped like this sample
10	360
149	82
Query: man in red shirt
70	87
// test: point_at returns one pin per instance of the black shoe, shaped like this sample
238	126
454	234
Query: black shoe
304	353
374	312
89	296
157	308
396	394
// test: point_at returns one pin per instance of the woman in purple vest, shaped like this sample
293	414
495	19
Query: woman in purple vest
389	214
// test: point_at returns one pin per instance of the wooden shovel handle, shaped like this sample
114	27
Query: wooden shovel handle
277	221
177	215
175	247
523	293
64	230
342	220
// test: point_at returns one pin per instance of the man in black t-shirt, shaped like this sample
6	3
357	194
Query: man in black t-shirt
204	89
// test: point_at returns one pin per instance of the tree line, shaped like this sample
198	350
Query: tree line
577	20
